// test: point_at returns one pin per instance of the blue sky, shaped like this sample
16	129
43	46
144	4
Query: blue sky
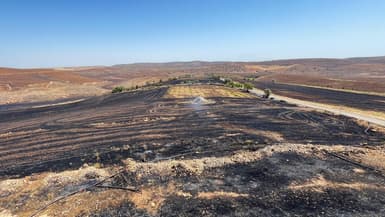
74	32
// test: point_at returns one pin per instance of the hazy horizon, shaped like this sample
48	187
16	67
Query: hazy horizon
89	33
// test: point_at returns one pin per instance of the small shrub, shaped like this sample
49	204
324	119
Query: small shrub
97	156
215	77
248	86
267	93
238	85
118	89
228	81
98	165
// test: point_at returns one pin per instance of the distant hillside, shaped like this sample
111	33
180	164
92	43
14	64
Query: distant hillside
360	73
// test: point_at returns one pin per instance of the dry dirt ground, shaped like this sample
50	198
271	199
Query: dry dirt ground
42	85
238	155
277	180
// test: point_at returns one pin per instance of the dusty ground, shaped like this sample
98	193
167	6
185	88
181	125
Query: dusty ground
237	156
277	180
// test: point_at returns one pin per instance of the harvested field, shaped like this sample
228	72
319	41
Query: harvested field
237	156
190	91
46	93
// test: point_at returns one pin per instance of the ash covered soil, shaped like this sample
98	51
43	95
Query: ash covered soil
230	157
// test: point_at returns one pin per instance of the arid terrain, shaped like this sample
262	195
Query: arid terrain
38	85
182	143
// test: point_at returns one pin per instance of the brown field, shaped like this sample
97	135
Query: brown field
371	85
14	79
359	74
362	74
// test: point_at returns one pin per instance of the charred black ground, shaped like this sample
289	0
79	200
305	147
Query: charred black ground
145	126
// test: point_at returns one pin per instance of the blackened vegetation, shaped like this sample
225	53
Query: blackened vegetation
144	126
354	100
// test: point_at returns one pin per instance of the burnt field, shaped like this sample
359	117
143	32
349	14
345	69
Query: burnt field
150	126
242	156
349	99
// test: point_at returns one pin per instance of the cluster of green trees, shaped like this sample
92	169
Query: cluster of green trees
234	84
120	89
246	86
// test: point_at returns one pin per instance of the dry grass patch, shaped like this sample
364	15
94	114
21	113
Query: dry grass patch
152	198
220	194
370	157
51	91
268	67
275	136
320	184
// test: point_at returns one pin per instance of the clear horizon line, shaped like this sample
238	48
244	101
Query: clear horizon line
187	61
